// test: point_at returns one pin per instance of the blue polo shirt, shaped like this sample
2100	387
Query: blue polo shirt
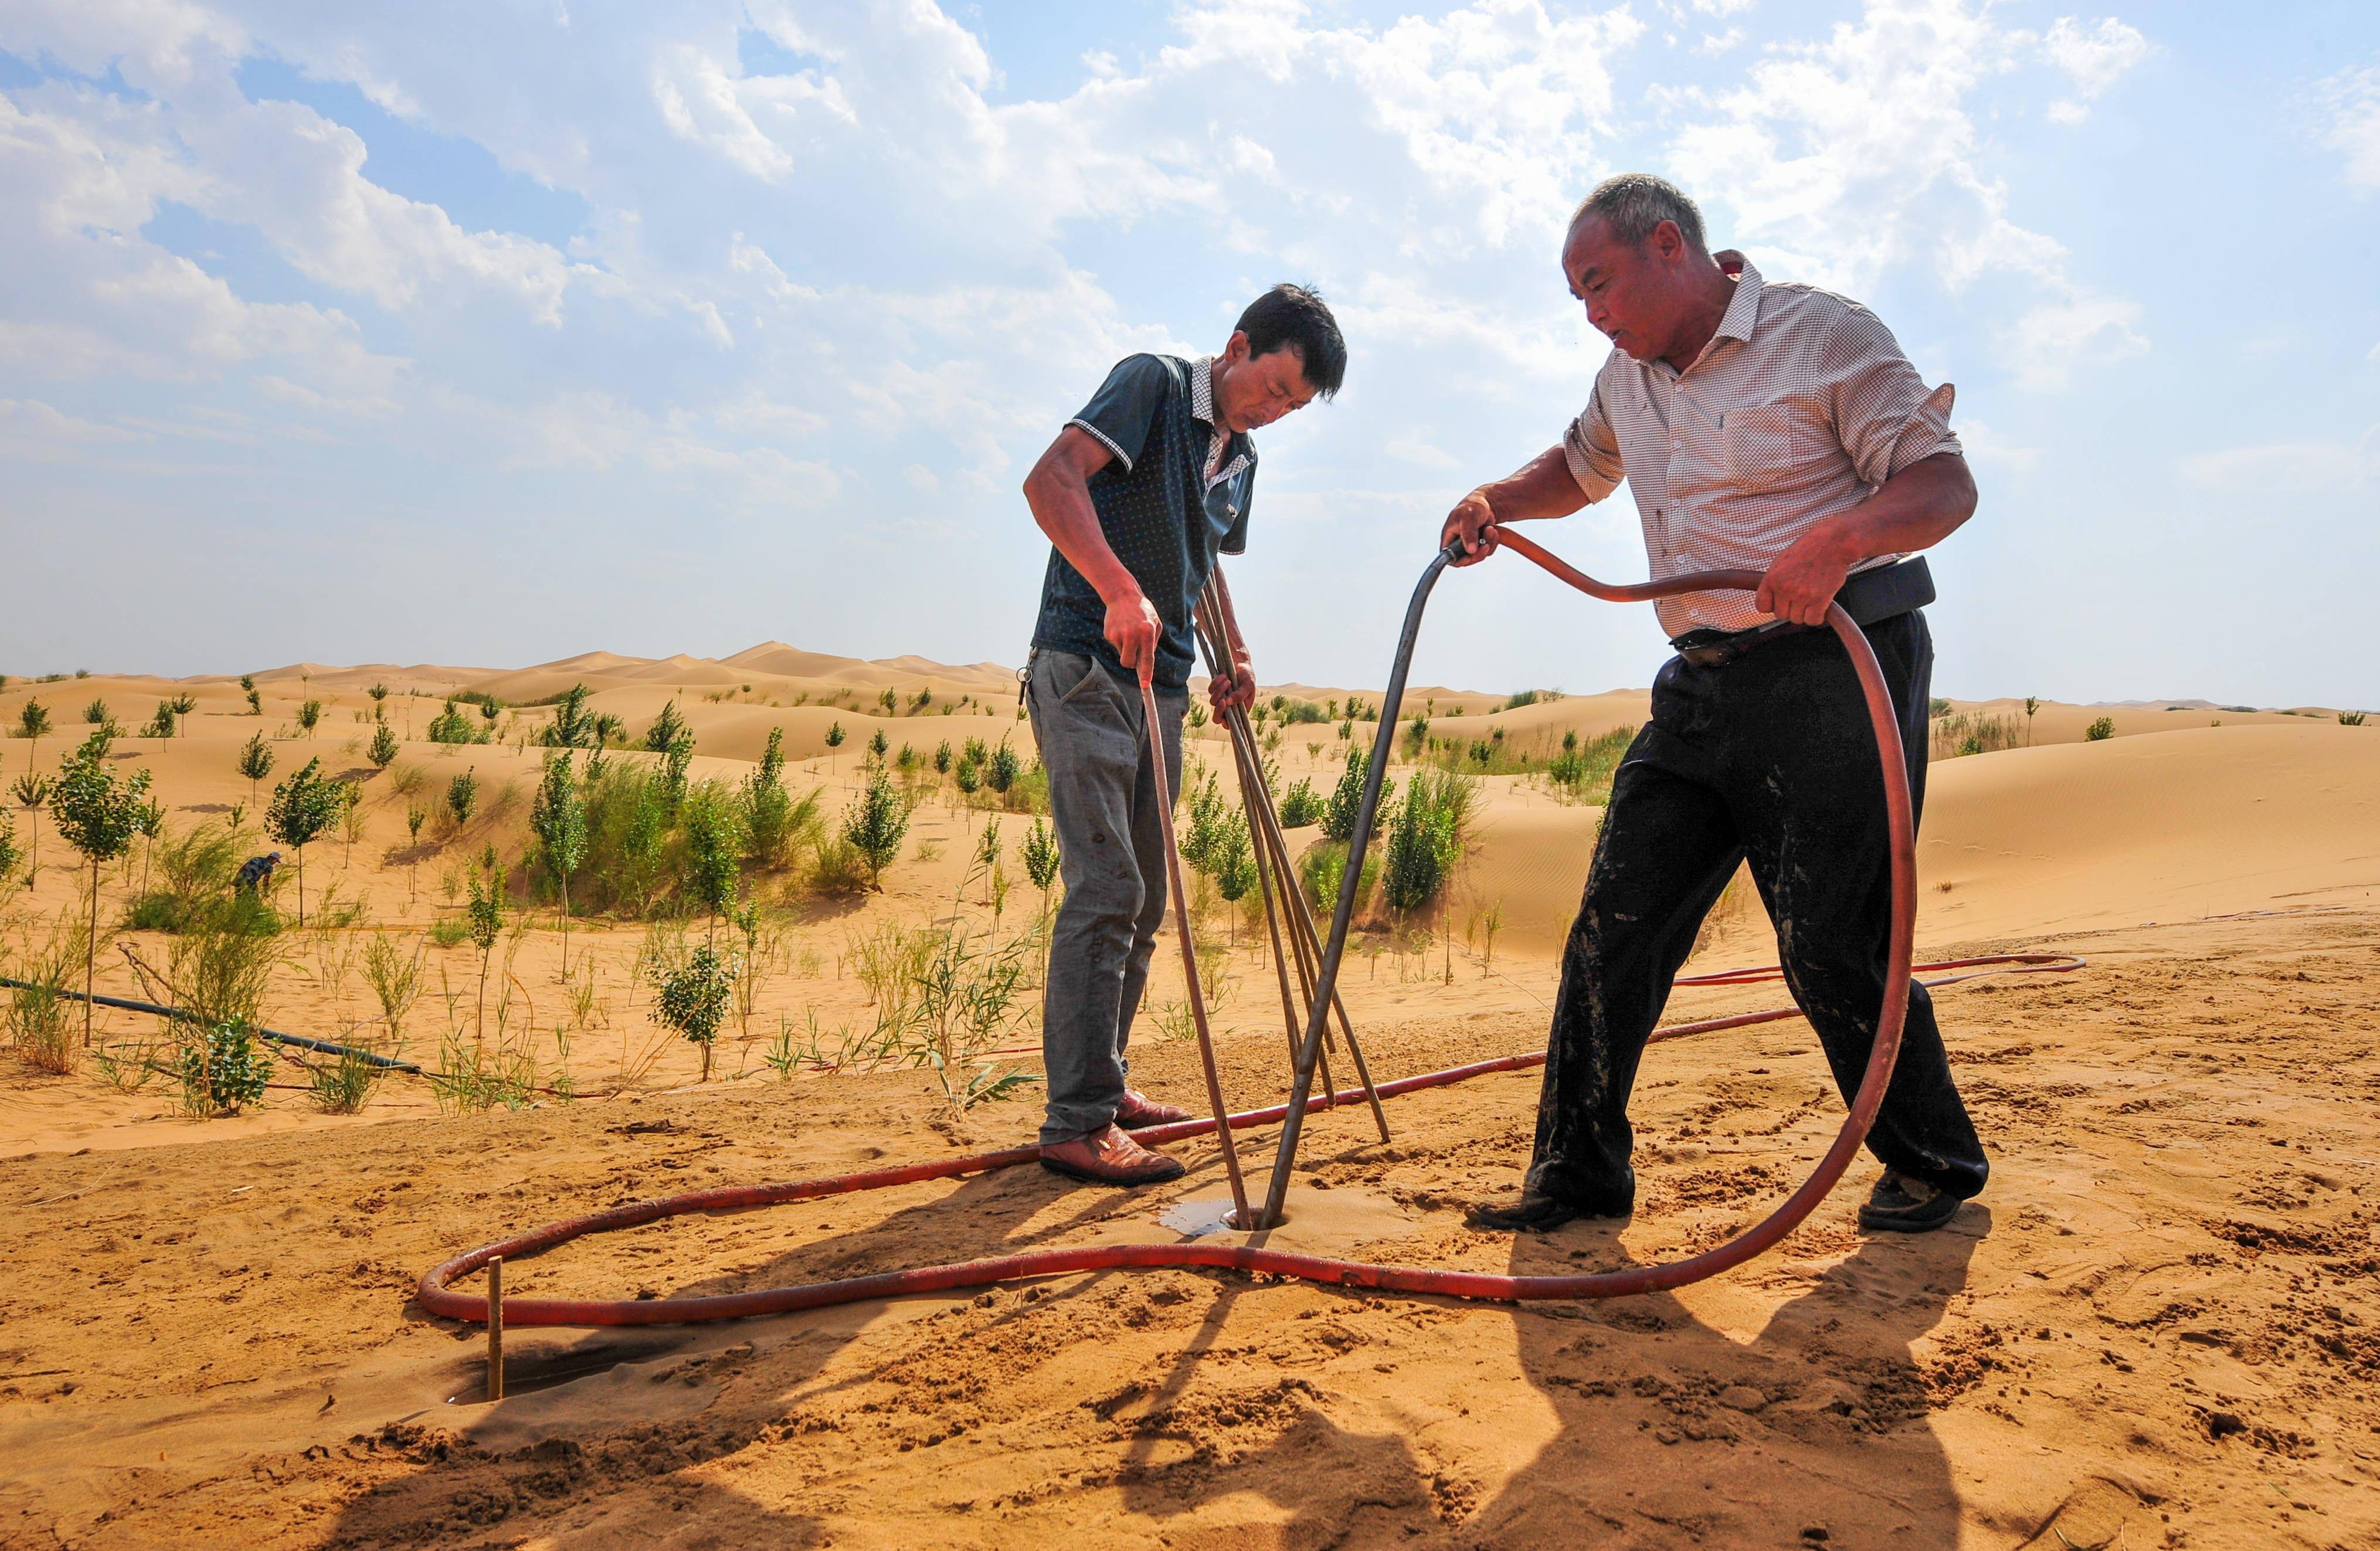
1163	515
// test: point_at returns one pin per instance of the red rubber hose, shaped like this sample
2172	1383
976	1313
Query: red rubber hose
437	1296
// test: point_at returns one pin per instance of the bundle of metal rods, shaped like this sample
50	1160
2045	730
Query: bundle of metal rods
1277	882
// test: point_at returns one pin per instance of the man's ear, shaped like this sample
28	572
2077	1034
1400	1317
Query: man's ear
1235	351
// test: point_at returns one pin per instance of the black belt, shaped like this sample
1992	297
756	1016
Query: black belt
1868	597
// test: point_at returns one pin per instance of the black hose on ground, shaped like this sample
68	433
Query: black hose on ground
127	1004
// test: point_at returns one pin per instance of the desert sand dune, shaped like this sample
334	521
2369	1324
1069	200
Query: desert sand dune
2155	1321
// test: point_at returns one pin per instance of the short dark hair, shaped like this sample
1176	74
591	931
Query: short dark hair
1295	316
1634	203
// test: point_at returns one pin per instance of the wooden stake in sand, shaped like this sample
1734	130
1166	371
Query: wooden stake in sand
496	1329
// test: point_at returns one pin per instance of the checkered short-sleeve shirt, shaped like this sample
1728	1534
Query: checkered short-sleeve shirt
1173	495
1798	407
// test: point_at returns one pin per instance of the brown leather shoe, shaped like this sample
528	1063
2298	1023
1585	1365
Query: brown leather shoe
1109	1158
1138	1110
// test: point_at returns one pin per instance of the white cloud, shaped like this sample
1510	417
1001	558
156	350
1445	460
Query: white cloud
2348	104
37	433
2289	467
1414	448
1986	446
877	276
2096	56
2045	345
1844	159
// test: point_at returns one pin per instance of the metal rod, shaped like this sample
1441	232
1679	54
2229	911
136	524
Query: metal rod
1240	1218
1276	1192
1302	937
1309	949
1255	801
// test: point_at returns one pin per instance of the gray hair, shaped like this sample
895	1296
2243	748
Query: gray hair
1631	204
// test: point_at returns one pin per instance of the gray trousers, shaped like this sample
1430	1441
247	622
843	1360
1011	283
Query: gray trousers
1103	806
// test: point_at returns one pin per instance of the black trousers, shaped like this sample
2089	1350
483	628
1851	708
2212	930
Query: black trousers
1769	758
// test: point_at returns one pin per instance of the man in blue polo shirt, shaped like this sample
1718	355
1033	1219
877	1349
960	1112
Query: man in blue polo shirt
1138	495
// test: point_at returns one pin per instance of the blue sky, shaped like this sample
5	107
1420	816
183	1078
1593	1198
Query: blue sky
492	333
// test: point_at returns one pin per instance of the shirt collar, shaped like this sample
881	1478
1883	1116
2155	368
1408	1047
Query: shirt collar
1743	308
1202	390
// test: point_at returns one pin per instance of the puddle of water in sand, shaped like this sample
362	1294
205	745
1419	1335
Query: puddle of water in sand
1195	1219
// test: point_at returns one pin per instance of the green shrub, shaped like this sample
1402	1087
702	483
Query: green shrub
714	842
692	995
875	824
40	1022
1324	867
1041	852
98	816
1339	813
558	818
255	763
221	1070
1201	838
303	806
1425	836
463	796
666	730
1301	807
343	1083
384	746
2101	730
840	870
1584	773
572	726
450	726
194	870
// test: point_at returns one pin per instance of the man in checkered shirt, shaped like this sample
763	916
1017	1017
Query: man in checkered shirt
1775	428
1140	494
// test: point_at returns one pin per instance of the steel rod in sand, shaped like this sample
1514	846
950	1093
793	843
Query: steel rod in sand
1265	820
1250	786
1240	1219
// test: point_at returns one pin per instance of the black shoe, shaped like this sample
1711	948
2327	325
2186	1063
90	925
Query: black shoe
1530	1214
1901	1204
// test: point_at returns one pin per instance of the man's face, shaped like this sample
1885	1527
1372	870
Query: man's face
1635	293
1252	392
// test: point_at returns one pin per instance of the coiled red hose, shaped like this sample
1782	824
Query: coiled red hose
437	1295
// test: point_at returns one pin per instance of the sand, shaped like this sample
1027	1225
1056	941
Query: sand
2155	1328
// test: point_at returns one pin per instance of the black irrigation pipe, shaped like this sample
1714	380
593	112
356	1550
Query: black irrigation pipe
299	1040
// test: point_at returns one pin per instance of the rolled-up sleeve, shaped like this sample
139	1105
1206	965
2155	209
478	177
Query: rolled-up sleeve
1885	415
1592	449
1120	414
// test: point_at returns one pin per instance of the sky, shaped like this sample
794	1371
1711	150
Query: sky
489	333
